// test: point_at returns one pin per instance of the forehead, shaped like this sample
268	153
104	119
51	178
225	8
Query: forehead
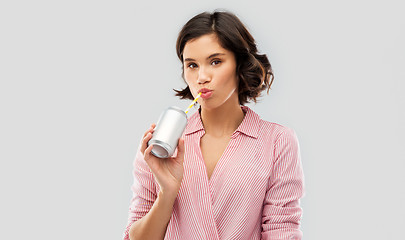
203	46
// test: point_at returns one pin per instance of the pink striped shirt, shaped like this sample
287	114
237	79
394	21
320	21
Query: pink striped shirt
253	192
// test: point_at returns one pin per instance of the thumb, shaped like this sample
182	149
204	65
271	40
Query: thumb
180	149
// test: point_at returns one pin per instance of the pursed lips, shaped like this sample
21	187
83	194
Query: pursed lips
205	93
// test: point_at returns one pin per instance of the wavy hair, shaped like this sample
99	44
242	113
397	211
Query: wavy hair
253	69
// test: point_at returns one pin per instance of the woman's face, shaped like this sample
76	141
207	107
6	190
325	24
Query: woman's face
211	69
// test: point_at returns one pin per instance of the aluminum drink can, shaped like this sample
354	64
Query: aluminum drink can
168	130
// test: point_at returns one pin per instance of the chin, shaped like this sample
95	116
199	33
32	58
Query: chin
210	105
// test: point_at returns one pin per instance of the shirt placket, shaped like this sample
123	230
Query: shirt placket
209	218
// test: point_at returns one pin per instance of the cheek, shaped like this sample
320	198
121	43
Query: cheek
229	77
188	77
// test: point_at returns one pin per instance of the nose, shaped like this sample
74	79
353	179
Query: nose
203	76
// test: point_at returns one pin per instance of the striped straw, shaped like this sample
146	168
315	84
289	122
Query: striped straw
195	100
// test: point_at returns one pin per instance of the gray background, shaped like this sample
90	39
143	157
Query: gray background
82	80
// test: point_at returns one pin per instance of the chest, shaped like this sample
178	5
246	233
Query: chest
225	171
212	148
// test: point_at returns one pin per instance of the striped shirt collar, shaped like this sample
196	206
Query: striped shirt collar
249	126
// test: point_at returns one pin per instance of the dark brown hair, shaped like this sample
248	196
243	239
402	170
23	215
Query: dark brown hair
253	69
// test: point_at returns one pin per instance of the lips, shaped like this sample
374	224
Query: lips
205	93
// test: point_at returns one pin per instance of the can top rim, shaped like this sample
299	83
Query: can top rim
178	109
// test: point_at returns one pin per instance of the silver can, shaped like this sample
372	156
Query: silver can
170	127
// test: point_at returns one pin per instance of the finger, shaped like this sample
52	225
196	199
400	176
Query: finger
145	141
152	126
150	130
148	150
148	155
181	145
180	150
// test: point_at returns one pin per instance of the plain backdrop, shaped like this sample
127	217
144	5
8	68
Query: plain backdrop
81	81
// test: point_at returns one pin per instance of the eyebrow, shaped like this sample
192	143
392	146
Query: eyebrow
210	56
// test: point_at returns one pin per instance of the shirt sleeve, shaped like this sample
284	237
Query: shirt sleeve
281	211
143	192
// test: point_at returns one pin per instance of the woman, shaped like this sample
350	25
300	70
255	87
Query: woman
235	176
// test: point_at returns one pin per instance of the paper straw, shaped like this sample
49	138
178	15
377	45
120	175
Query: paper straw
195	100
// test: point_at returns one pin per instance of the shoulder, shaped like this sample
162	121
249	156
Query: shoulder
276	130
271	130
280	142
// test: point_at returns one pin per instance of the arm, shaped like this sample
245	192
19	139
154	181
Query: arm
282	212
150	213
153	225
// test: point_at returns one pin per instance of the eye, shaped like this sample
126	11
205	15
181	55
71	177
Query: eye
191	65
216	62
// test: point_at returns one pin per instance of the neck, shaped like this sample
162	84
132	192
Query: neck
222	121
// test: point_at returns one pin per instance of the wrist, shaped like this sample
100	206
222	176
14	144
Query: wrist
167	196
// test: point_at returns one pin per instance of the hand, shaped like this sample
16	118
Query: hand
168	172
